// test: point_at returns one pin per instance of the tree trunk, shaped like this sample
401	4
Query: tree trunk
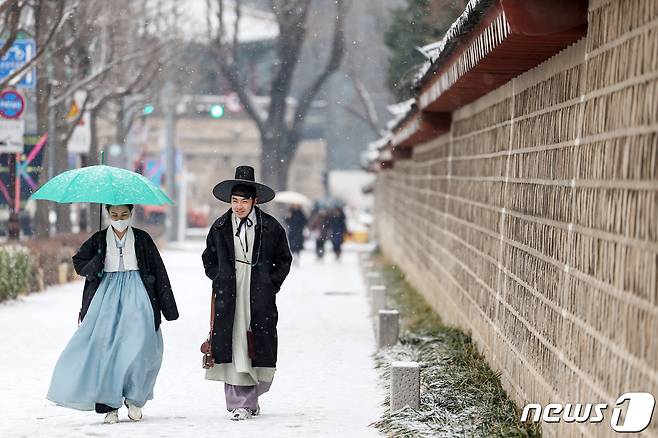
94	209
273	164
60	147
41	222
63	224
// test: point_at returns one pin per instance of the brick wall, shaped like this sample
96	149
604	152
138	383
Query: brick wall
533	224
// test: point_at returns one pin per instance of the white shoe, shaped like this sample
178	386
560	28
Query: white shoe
255	412
111	417
240	414
134	412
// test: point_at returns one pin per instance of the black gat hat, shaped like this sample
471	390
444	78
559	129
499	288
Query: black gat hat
244	175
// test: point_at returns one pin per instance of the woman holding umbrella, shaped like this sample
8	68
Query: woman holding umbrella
115	354
114	357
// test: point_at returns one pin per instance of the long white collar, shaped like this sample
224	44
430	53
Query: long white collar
112	253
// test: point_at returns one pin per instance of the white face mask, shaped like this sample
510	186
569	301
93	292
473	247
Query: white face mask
120	226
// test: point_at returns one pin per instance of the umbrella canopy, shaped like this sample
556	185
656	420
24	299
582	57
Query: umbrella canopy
102	185
290	197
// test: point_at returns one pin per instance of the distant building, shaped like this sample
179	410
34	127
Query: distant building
211	148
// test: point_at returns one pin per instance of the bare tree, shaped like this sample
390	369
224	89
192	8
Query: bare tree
46	28
105	55
367	113
10	16
280	136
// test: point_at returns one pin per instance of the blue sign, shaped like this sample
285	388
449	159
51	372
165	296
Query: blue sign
12	104
18	54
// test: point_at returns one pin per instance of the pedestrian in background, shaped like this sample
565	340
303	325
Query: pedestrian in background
337	229
320	230
114	356
296	221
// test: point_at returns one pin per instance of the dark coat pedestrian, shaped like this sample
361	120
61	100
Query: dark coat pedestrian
247	258
270	265
320	229
296	221
337	229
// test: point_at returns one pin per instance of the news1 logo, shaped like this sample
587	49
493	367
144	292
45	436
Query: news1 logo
637	418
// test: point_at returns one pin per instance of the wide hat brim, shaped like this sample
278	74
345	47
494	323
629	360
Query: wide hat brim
222	191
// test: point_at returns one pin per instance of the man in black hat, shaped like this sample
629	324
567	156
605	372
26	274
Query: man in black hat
247	258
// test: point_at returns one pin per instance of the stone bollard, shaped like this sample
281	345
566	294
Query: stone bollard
388	328
63	273
378	297
367	267
373	278
405	385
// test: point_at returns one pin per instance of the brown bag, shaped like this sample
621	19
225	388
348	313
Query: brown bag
251	348
208	360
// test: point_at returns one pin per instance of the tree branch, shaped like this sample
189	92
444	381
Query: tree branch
337	50
373	126
229	69
241	88
370	116
238	15
16	76
6	5
11	24
73	88
291	17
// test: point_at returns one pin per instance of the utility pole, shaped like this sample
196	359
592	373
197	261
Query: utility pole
13	226
52	137
169	111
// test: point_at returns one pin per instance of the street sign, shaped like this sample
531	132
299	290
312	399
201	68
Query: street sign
80	141
12	104
11	135
12	125
21	52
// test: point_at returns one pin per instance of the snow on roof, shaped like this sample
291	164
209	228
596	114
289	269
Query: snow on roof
440	50
401	107
255	24
379	144
399	111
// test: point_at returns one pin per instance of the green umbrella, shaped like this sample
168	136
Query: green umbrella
102	185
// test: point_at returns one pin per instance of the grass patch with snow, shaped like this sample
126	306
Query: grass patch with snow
460	395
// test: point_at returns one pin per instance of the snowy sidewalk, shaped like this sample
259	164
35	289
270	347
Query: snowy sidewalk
325	384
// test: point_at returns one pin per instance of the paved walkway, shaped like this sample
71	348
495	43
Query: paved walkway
325	384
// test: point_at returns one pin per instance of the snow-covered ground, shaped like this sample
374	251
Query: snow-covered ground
325	383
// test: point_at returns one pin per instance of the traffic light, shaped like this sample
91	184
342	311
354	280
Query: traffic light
216	111
148	109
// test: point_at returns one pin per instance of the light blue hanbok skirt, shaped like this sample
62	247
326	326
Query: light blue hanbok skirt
115	353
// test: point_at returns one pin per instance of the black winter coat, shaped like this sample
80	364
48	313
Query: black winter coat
90	261
271	261
296	222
